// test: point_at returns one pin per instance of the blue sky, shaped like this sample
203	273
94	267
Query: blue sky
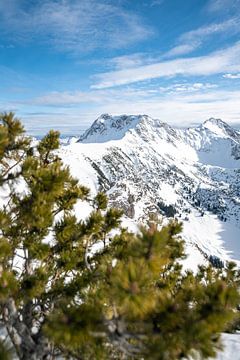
65	62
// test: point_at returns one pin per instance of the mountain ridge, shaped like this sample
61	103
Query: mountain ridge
149	167
124	123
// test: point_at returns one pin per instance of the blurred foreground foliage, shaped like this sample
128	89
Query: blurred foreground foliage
129	299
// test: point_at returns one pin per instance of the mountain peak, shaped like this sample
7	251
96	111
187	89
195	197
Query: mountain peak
103	118
107	127
217	122
219	127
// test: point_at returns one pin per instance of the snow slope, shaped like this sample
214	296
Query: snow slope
231	347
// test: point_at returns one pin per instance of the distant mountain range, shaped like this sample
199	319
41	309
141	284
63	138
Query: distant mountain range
150	168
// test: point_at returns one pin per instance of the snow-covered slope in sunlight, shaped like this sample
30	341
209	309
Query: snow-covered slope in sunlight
231	347
147	167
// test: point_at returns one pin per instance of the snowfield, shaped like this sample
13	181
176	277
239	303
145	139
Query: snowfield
231	343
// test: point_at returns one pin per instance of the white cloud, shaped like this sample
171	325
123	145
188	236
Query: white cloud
72	25
176	108
129	61
193	39
181	49
188	87
187	43
180	104
232	76
215	63
183	109
67	98
108	96
156	2
222	5
202	32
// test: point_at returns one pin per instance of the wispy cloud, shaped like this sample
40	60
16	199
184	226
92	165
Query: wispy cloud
222	61
180	104
180	108
156	2
72	25
183	108
72	98
216	28
68	98
222	5
181	49
131	61
106	96
188	87
232	76
192	40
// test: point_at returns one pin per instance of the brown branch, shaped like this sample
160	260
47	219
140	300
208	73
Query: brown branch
12	167
86	255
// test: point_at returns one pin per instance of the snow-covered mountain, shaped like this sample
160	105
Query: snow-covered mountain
148	167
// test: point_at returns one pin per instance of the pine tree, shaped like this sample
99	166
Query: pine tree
89	289
44	249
